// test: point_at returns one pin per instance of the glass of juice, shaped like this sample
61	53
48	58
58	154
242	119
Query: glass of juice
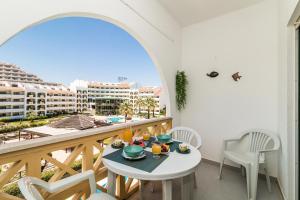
146	136
127	135
156	150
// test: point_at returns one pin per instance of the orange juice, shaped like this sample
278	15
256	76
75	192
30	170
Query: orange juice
156	149
127	135
146	136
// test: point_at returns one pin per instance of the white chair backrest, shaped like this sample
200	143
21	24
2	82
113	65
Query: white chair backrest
186	135
29	191
260	139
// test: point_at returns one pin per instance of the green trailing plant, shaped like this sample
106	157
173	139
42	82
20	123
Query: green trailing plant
181	83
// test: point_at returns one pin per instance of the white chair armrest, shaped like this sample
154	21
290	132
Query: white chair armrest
226	141
69	181
232	139
267	150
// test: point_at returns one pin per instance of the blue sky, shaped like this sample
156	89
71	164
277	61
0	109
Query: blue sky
66	49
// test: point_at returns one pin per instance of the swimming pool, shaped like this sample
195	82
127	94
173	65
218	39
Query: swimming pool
115	119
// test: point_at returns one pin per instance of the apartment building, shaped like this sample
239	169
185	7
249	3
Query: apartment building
12	101
108	105
17	100
153	92
91	94
88	92
22	93
12	73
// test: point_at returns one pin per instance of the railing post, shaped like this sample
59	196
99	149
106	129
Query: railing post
33	166
87	162
170	125
87	157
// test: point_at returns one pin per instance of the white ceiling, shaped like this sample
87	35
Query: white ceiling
188	12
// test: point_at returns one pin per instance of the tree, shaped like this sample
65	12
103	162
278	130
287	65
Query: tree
163	111
140	103
126	109
153	106
150	104
31	116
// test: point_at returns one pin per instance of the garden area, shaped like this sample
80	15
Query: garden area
9	128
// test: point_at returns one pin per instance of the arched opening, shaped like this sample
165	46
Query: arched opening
95	63
44	81
118	23
52	31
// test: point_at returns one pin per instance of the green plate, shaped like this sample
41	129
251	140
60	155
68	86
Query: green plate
183	152
133	150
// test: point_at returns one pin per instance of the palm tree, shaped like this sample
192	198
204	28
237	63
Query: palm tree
150	104
153	106
126	109
140	103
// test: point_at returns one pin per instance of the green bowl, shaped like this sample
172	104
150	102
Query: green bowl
164	138
133	150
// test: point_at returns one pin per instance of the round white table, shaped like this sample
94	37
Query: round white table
175	166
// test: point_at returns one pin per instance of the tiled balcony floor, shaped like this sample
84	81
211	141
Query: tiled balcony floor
231	187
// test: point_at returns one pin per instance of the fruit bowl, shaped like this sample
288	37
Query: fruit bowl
138	142
164	138
183	147
133	150
165	149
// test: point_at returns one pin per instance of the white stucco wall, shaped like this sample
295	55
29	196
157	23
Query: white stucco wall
244	41
162	41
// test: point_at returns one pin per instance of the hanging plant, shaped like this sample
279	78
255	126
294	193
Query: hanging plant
181	83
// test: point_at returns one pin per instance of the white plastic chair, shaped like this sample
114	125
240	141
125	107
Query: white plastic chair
259	143
189	136
29	191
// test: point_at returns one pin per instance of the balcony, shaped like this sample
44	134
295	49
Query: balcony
30	96
9	110
41	102
87	146
30	102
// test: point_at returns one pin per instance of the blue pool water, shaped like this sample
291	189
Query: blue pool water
115	119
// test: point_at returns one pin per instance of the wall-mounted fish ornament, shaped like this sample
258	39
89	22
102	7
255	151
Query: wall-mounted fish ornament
213	74
236	76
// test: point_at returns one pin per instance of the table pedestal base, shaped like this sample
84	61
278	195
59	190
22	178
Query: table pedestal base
167	190
187	187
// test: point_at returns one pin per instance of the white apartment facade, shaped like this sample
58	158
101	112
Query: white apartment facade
22	93
12	73
17	100
87	92
152	92
100	90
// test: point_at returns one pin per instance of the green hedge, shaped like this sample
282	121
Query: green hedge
23	119
12	189
22	125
